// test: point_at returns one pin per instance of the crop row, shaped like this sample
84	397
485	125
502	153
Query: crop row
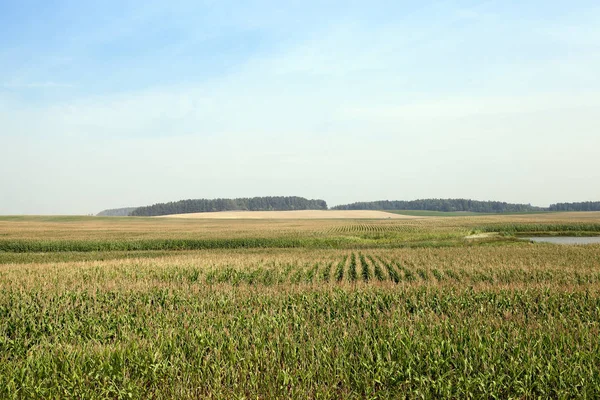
355	267
49	246
373	228
315	242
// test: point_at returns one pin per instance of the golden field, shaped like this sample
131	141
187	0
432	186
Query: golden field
298	214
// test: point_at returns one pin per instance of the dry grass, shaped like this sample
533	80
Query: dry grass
298	214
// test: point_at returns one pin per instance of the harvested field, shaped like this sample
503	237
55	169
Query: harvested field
298	214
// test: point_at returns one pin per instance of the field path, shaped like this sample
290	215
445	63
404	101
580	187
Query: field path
298	214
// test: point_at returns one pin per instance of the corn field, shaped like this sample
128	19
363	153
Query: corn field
471	320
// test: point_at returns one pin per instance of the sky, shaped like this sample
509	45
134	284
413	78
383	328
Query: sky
128	103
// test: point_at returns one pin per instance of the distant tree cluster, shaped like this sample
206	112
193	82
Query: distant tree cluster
116	212
448	205
581	206
276	203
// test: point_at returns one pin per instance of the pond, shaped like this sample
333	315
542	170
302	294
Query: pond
565	239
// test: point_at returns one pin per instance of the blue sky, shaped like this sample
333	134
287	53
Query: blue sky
124	103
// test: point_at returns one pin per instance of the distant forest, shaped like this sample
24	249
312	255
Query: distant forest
286	203
448	205
581	206
277	203
116	212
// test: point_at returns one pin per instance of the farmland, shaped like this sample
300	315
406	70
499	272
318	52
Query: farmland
341	308
296	214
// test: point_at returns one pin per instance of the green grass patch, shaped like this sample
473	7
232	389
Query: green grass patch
574	229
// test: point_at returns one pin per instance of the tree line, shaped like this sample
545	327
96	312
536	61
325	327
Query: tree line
285	203
580	206
274	203
446	205
116	212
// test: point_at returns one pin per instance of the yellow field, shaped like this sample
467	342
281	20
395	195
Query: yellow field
95	228
299	214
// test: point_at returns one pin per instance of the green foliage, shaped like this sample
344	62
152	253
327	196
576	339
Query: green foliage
363	343
581	206
326	272
333	242
441	205
377	271
278	203
392	272
116	212
339	271
48	246
352	274
551	228
364	267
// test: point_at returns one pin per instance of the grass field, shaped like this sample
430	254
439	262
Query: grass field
178	308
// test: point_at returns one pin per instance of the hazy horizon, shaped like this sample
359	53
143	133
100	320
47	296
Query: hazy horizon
126	104
330	206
